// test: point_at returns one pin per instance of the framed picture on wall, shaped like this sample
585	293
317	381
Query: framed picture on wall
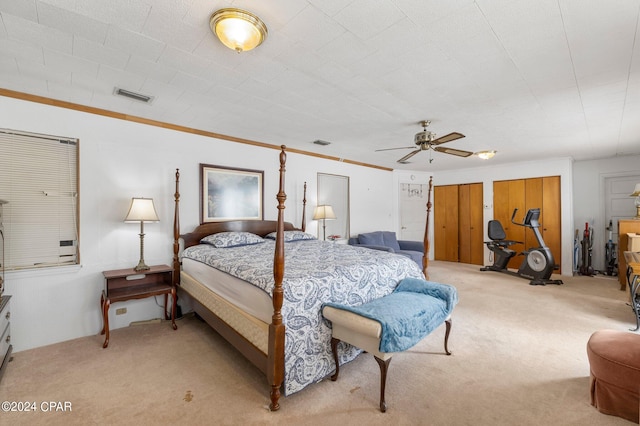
230	194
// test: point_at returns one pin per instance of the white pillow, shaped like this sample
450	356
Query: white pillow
232	239
293	236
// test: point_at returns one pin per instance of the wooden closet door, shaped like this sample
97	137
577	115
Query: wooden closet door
525	194
533	200
476	198
551	218
507	196
464	225
445	214
470	229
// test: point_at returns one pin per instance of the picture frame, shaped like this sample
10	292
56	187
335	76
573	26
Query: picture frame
228	193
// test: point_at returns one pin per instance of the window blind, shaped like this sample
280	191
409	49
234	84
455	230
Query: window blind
39	179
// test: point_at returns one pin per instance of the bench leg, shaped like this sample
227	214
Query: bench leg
446	336
334	350
384	366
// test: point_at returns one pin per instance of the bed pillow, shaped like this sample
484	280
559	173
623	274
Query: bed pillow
232	239
293	236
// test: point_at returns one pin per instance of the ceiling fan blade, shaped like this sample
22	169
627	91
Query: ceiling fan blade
391	149
447	138
453	151
409	155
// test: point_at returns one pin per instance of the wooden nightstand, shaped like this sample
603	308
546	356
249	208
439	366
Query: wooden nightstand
127	284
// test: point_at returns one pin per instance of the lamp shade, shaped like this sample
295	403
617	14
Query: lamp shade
636	191
238	29
323	212
142	210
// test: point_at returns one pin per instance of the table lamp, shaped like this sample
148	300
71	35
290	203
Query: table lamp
636	193
324	212
141	210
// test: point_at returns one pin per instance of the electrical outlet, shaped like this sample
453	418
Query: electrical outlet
121	311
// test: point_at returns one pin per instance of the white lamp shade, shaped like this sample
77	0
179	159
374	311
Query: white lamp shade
636	191
142	210
323	212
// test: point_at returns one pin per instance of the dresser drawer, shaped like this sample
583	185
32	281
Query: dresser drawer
5	341
5	316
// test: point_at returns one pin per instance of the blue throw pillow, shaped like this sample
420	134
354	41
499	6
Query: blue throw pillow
390	240
371	239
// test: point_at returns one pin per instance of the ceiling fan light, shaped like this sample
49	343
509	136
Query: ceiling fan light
486	155
238	29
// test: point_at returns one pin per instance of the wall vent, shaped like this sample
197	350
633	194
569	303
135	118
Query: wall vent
133	95
321	142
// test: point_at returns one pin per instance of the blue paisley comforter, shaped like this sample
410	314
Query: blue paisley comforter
316	272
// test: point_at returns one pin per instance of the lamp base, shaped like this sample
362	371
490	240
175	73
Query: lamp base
141	266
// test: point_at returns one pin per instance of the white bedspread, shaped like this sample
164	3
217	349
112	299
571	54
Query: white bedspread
316	272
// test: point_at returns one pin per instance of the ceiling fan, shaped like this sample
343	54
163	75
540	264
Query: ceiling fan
425	140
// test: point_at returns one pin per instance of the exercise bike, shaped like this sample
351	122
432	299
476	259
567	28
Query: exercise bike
537	265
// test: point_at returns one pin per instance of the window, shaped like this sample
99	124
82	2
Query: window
39	179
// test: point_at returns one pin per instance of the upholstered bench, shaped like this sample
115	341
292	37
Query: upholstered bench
393	323
614	359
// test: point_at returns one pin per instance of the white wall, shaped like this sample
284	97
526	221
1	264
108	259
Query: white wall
589	195
486	175
120	160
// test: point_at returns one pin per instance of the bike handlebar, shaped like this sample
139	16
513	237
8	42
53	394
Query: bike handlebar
514	215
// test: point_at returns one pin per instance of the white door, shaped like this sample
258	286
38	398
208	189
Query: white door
413	211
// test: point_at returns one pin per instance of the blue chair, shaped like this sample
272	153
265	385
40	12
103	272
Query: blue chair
387	241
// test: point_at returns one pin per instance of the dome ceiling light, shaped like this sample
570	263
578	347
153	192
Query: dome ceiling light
238	29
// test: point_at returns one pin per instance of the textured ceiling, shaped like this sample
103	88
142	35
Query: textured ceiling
531	79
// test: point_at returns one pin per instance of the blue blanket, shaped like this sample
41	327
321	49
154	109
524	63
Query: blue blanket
410	313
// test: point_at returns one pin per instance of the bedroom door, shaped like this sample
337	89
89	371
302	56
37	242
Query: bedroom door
413	211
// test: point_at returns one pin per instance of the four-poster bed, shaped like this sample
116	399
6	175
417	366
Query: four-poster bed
270	313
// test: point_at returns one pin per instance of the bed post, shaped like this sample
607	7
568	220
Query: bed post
425	255
275	367
304	208
176	233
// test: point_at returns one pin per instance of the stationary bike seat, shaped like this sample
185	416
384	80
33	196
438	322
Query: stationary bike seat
497	235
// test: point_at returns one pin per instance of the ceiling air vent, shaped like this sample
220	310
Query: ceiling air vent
133	95
321	142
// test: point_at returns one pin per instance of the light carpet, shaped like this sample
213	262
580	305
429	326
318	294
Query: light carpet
519	358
